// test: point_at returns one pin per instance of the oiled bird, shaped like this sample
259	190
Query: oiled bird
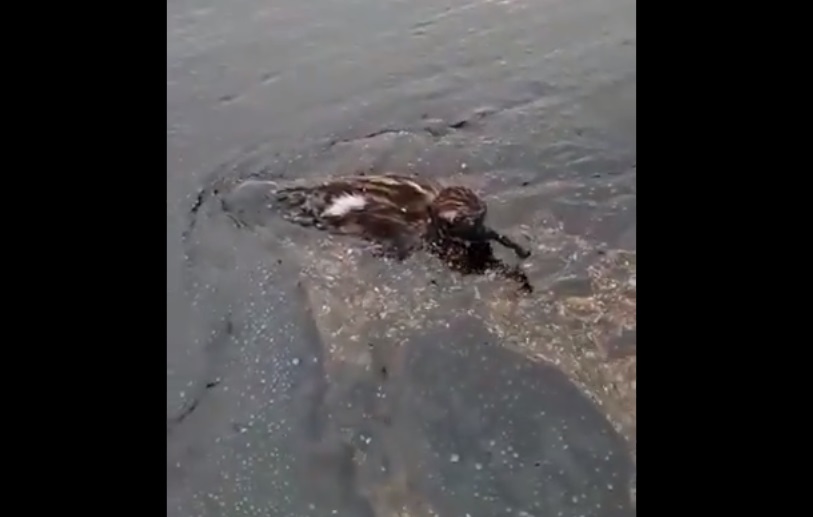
401	214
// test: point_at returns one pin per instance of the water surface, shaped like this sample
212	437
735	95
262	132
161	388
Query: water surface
304	378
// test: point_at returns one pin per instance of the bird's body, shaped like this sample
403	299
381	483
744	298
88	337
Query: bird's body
334	204
399	214
389	210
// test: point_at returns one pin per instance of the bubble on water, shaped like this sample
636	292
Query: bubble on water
295	361
454	458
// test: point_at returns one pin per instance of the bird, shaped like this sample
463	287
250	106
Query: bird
401	214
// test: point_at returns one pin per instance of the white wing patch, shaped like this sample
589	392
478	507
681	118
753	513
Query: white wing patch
449	215
344	204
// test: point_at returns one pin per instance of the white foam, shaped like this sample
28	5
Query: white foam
344	204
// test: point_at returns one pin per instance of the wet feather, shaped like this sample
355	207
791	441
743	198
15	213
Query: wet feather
401	214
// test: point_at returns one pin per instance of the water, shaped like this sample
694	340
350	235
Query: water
304	378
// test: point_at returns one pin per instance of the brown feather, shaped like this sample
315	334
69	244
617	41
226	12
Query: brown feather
401	214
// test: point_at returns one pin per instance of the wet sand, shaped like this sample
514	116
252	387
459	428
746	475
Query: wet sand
304	377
